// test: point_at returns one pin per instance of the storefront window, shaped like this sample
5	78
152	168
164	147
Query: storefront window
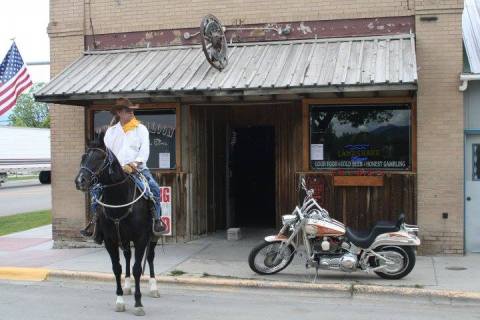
360	137
161	124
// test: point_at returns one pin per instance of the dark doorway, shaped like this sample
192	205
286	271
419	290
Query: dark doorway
253	176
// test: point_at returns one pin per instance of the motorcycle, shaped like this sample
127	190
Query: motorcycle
388	249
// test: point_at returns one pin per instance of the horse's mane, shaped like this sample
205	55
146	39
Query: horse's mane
98	142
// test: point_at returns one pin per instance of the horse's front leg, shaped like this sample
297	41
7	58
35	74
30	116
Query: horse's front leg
117	271
137	273
127	253
152	281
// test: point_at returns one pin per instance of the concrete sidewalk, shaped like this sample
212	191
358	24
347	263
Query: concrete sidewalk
215	256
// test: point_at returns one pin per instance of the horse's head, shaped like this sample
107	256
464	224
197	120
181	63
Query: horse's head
98	165
94	162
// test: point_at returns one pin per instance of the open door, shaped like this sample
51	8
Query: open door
252	170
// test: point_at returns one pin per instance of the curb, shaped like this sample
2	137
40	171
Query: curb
25	274
350	289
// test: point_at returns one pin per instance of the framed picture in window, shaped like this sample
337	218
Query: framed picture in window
360	137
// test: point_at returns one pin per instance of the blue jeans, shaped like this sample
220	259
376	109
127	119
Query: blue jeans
154	194
154	190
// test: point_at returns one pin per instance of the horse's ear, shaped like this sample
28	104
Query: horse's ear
100	138
97	141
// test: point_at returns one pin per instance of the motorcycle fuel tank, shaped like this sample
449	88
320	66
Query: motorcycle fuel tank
322	228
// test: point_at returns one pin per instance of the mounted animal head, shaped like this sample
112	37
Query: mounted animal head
98	165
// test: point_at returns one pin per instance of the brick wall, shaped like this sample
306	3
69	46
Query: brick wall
122	16
67	122
440	133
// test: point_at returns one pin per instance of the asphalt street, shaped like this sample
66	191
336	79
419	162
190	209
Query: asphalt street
24	196
54	300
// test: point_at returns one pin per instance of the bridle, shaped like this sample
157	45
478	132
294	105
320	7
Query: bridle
107	161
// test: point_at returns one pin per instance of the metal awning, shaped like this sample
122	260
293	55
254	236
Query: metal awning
282	67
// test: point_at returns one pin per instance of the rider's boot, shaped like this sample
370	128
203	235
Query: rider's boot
88	231
159	228
91	230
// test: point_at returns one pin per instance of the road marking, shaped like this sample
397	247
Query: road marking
28	274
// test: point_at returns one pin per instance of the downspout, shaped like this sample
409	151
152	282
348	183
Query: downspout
464	78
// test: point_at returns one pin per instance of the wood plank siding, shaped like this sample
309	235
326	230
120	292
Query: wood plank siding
202	202
359	206
210	128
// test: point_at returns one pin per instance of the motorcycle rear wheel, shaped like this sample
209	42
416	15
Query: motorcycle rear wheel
406	260
262	258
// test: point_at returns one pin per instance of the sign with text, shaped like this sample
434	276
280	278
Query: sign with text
166	202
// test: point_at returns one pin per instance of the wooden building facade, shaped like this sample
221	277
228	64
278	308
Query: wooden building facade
237	160
364	106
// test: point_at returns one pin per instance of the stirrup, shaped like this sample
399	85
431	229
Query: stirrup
85	233
159	233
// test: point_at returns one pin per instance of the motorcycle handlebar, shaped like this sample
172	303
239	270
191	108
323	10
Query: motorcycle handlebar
309	192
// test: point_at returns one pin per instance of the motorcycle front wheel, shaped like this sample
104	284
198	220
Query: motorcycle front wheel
403	259
264	258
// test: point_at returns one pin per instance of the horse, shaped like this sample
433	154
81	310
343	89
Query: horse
123	217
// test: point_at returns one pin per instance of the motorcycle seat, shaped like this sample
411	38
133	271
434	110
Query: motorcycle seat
364	239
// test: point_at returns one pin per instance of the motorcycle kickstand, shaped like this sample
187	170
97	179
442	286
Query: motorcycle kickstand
316	275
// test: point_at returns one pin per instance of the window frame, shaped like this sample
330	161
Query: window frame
90	111
378	101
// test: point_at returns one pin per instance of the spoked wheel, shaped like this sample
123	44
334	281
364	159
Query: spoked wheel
401	262
214	43
270	257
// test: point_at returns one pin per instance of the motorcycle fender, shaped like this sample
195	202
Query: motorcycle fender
278	237
399	238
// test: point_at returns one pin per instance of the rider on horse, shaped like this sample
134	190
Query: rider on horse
129	140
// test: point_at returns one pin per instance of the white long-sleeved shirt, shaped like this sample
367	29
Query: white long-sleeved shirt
128	147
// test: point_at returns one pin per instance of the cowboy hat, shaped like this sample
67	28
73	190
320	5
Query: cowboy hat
123	103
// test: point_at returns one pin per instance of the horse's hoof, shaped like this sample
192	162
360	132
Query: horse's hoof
127	291
153	288
138	311
120	307
154	294
120	304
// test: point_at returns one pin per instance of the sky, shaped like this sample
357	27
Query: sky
26	21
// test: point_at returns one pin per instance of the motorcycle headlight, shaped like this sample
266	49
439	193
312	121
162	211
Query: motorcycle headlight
289	219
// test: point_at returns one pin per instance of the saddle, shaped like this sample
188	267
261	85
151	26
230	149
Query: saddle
141	184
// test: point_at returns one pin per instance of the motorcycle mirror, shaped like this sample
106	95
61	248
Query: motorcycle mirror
304	184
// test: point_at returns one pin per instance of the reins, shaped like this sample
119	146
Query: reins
107	161
145	183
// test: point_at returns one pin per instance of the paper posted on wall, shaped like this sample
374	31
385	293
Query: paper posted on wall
164	160
316	151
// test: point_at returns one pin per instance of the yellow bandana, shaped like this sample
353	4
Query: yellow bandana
130	125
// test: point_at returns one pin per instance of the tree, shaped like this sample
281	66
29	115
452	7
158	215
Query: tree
28	112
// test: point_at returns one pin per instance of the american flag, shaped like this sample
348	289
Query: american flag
14	79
